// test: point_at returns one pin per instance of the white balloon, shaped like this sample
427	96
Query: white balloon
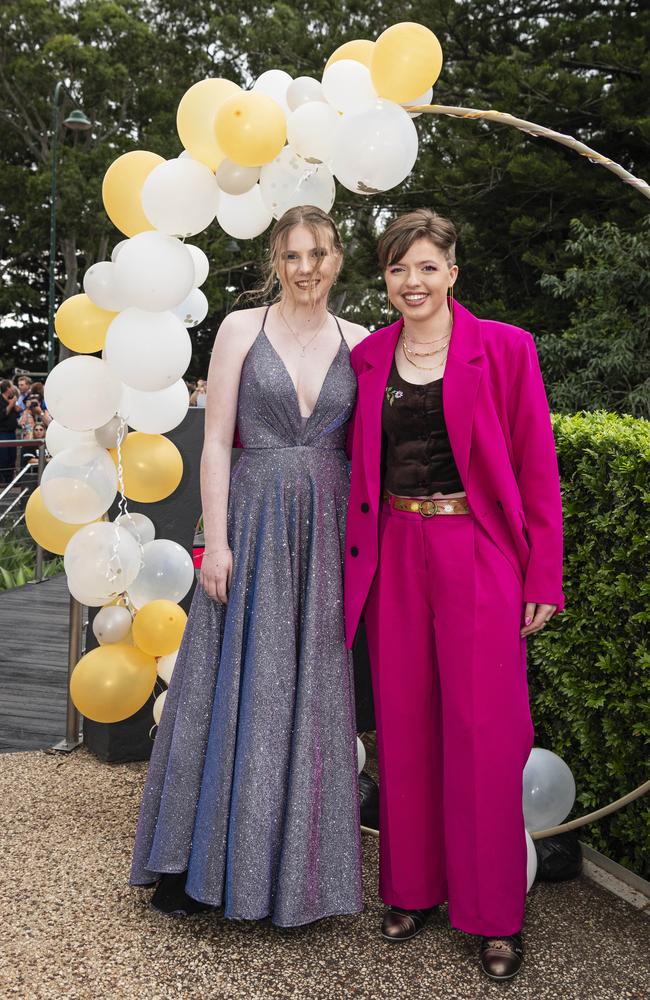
201	264
275	83
158	706
235	179
82	392
549	790
79	484
376	149
87	598
156	412
117	248
102	287
531	862
107	435
288	181
58	437
348	87
422	99
154	271
147	350
302	90
180	197
112	624
193	309
311	131
361	756
139	525
101	559
166	666
167	573
244	216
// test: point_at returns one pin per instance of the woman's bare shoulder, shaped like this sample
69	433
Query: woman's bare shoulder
354	333
239	329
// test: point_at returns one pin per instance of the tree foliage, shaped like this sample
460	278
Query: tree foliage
578	66
602	360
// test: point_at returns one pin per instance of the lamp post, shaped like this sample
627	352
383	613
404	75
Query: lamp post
78	122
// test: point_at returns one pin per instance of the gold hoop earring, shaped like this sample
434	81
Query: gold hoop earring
450	300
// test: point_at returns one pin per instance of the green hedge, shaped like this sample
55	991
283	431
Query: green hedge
588	672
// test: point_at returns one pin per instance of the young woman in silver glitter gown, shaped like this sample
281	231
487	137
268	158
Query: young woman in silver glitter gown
251	801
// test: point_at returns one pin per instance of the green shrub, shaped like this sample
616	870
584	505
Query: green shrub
588	673
18	561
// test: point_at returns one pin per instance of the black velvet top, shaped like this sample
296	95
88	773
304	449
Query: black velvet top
416	454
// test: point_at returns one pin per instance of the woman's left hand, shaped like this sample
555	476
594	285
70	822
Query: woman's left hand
535	618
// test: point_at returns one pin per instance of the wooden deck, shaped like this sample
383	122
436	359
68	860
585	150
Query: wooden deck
33	664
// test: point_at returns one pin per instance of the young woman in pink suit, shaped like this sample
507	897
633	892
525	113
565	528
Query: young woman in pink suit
454	558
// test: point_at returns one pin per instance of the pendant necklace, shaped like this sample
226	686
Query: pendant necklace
303	347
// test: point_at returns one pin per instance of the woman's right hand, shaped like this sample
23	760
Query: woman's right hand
216	570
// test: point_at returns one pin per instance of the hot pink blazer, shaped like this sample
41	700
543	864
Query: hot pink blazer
501	437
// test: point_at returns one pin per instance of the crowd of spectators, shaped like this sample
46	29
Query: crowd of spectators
23	416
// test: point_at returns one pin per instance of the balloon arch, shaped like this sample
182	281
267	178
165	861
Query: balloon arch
249	155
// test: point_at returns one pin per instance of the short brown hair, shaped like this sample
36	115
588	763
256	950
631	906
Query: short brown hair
422	224
316	221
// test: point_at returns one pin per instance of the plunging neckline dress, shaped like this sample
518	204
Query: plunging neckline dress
252	787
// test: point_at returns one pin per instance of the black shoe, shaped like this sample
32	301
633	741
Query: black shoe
501	958
402	925
170	897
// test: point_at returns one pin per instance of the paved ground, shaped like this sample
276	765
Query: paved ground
33	664
71	927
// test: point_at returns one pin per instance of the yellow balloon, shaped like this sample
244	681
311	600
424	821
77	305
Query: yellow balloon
406	61
195	119
122	187
46	530
250	128
81	325
112	682
360	50
152	466
158	627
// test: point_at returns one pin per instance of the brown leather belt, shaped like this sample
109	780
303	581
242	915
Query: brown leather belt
427	508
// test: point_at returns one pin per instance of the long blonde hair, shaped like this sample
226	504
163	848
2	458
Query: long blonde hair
316	221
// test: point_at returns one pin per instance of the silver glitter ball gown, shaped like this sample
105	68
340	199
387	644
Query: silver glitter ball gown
252	786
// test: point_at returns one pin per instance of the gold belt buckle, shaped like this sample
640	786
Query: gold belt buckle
427	508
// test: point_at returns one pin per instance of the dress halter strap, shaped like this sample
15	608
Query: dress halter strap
266	312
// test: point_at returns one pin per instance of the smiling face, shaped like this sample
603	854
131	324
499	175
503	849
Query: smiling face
418	283
308	265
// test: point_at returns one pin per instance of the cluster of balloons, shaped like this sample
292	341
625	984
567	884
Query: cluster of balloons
249	155
549	791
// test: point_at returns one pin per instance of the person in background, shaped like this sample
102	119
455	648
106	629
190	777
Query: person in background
24	384
35	412
30	456
200	394
8	426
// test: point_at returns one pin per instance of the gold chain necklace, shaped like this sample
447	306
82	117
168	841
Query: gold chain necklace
424	368
424	354
427	343
303	347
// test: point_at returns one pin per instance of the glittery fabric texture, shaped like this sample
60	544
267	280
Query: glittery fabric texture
252	786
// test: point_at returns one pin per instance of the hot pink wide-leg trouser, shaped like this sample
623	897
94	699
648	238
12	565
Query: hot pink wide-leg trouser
453	723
